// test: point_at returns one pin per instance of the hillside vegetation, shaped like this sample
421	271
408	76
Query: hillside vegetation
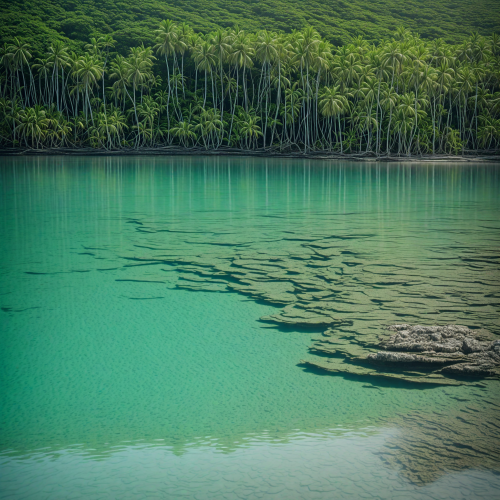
255	91
133	22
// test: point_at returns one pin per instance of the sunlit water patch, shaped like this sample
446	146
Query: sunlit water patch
130	367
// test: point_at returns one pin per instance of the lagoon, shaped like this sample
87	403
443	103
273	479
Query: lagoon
126	377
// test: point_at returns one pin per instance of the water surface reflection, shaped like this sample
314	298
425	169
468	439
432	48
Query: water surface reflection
115	380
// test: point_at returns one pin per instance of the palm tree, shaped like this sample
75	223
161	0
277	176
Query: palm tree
33	125
117	124
279	81
210	127
120	73
221	43
266	51
332	105
185	132
241	57
59	129
345	69
19	55
389	102
138	68
166	44
205	60
43	66
394	57
304	57
58	58
11	112
183	35
89	72
147	110
466	84
444	76
489	131
248	128
6	63
105	43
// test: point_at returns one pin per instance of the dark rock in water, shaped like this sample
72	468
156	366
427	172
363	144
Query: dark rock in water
471	369
456	347
402	357
471	345
468	355
430	354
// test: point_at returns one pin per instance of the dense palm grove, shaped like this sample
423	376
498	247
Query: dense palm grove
251	91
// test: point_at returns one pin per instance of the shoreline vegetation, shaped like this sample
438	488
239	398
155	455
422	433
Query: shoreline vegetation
263	94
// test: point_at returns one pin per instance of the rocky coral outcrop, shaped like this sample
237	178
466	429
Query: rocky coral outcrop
455	349
431	354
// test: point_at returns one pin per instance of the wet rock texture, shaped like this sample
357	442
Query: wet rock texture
428	354
456	348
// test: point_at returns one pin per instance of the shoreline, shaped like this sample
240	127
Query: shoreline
320	155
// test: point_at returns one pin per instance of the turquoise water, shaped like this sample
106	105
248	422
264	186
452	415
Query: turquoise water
118	383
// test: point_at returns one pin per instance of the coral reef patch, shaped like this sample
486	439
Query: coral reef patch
426	354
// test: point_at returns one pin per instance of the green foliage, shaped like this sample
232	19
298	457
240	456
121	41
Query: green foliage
133	22
263	90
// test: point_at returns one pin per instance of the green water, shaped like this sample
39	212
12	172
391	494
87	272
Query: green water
115	383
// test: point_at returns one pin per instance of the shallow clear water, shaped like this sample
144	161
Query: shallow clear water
117	383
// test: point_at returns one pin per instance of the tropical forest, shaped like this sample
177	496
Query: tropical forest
261	90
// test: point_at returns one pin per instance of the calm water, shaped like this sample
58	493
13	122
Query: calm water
117	383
